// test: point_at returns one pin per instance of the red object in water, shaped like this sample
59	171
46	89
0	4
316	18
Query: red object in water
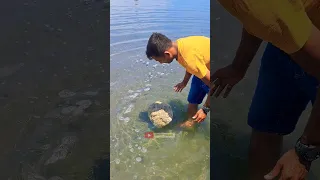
148	135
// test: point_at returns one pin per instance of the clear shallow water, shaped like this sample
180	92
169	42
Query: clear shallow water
137	82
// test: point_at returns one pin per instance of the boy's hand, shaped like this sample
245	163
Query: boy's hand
225	78
179	87
199	116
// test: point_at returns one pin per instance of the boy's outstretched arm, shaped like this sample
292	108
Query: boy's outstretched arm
186	78
180	86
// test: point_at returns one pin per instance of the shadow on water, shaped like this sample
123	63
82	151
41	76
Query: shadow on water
229	150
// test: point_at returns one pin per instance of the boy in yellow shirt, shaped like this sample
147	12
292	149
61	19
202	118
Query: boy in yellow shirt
192	53
288	81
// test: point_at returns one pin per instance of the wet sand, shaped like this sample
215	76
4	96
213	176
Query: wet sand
46	47
232	136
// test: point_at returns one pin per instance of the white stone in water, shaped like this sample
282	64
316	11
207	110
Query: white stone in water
139	147
137	130
125	119
138	91
130	146
62	150
120	154
130	91
136	145
131	150
144	150
117	161
84	104
129	109
138	159
154	66
147	63
66	93
148	85
134	95
68	110
147	89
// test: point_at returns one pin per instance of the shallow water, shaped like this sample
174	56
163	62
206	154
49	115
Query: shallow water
137	82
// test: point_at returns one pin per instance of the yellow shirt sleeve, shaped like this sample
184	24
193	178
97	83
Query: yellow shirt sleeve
284	23
195	64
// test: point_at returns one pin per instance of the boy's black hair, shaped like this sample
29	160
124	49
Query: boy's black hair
157	45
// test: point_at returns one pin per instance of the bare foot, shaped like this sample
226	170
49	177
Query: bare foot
188	124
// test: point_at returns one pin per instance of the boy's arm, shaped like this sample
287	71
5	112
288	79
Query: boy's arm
308	57
186	78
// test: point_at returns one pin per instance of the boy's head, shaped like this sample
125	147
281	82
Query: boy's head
161	48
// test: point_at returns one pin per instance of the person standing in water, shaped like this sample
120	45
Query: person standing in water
193	54
288	80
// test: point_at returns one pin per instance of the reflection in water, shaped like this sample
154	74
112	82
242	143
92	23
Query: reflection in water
138	82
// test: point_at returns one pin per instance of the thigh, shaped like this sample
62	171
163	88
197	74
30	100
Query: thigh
197	91
278	102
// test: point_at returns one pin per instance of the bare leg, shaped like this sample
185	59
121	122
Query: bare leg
192	110
264	152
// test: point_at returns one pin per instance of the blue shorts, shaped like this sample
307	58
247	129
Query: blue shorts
197	91
283	91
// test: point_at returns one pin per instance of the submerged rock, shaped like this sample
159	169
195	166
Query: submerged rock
160	114
63	149
66	93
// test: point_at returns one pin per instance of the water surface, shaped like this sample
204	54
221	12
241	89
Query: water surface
136	82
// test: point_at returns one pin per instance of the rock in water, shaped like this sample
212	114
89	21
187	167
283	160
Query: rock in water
160	114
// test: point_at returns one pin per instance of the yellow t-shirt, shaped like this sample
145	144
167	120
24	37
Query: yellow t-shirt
194	54
284	23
